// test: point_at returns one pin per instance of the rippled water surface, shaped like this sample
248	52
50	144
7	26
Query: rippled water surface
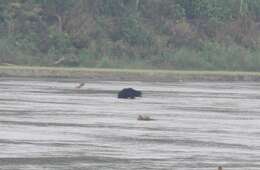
51	125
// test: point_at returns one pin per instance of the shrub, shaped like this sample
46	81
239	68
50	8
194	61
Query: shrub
86	58
132	32
184	35
186	58
59	42
18	51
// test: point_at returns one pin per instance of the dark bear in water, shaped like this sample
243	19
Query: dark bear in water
129	93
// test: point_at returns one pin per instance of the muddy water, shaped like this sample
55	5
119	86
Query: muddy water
49	124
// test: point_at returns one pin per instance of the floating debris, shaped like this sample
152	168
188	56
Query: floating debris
144	118
80	85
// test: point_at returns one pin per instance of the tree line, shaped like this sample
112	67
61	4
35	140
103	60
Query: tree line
165	34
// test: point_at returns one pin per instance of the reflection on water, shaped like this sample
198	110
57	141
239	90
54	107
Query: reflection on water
48	124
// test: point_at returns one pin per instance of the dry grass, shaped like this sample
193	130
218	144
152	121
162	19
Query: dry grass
127	74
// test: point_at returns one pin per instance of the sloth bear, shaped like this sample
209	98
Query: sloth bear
129	93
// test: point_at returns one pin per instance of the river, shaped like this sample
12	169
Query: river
49	124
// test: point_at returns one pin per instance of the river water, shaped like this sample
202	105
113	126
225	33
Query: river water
49	124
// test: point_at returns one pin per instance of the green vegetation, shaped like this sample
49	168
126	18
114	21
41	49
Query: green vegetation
165	34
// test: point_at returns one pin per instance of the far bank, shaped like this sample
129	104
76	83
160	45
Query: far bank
126	74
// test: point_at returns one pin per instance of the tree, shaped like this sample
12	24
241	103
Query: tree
56	10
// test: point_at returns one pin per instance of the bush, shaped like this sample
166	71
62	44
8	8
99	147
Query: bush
186	58
232	57
183	35
18	51
210	56
133	33
86	58
58	42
